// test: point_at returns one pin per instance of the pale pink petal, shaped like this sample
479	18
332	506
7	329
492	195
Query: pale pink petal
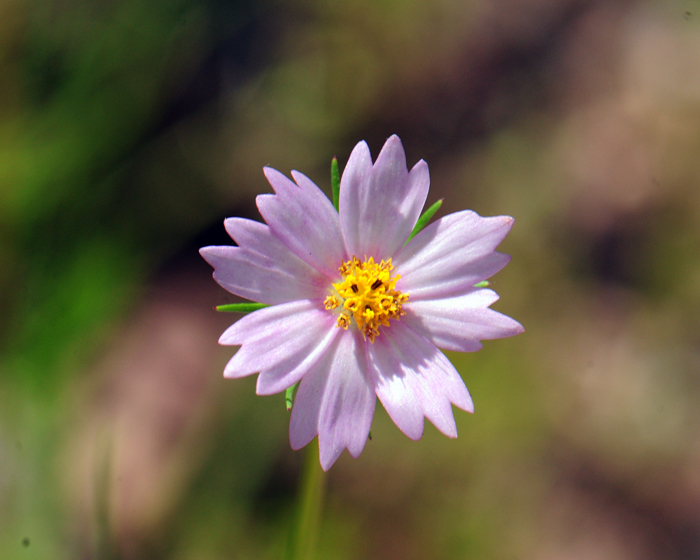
391	378
258	324
304	182
451	255
335	400
380	205
305	221
408	369
459	323
282	349
262	268
291	369
274	334
355	180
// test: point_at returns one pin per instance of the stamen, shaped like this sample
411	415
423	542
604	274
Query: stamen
343	321
367	295
331	302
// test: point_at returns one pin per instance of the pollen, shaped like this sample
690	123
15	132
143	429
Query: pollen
367	294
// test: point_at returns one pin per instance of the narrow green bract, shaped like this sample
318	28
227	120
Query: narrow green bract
289	396
425	218
335	181
241	307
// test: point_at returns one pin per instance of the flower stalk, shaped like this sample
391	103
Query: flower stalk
309	509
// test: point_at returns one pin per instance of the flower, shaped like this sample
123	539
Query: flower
356	312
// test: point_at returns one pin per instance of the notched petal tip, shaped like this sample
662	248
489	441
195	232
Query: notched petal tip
360	154
421	166
392	154
279	181
393	140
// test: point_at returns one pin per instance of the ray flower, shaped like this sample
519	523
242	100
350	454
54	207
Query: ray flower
355	311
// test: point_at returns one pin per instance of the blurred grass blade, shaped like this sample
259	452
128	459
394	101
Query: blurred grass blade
241	307
425	218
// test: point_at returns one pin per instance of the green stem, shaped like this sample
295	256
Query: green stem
302	545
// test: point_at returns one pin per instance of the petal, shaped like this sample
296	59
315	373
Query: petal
459	323
355	180
451	255
392	384
264	321
380	204
414	379
335	400
305	221
304	182
262	268
287	349
291	369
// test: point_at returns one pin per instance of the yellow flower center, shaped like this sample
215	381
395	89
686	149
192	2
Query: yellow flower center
367	294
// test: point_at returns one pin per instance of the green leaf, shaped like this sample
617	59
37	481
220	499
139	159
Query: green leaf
425	218
483	284
241	307
335	182
289	396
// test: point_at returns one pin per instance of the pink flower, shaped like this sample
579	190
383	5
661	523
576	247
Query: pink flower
356	312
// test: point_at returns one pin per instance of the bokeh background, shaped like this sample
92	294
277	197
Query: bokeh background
130	128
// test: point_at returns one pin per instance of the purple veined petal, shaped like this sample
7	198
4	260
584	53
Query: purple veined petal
355	180
451	255
379	205
262	268
305	221
336	401
393	387
460	323
281	342
304	182
414	379
291	369
269	320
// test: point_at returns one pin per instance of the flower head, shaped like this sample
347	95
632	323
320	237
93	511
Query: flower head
357	312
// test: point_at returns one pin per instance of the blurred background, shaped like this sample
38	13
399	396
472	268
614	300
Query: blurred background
129	129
